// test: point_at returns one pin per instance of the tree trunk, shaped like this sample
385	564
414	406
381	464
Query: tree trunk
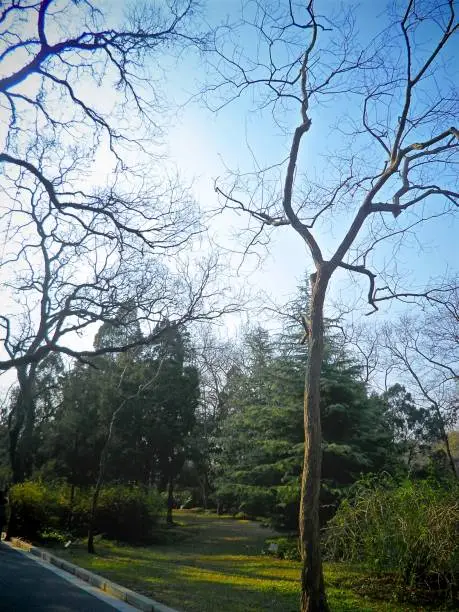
98	487
20	430
92	517
100	476
451	458
313	597
17	416
205	489
444	437
170	501
71	504
448	453
25	446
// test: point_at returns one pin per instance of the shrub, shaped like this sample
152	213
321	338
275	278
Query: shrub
79	512
54	536
284	515
242	516
283	548
246	499
35	507
411	530
124	513
128	513
227	499
255	501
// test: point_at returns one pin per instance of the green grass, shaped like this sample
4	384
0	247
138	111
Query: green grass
218	566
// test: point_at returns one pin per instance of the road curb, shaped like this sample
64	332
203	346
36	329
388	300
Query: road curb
107	586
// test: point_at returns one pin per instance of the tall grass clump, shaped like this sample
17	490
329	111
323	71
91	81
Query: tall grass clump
410	530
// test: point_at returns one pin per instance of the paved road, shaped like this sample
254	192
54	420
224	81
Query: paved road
26	585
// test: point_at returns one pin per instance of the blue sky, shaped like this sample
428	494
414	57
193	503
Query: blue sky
202	143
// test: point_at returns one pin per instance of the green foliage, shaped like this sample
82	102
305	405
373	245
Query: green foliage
261	441
250	501
285	548
54	536
220	566
36	507
410	530
128	514
357	436
153	390
43	512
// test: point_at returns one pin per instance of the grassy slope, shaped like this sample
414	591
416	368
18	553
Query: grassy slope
218	568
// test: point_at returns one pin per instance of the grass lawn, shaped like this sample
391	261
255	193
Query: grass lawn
218	568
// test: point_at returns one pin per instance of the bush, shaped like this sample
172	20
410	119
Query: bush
283	548
255	501
35	507
129	514
54	536
410	530
249	500
124	513
284	515
242	516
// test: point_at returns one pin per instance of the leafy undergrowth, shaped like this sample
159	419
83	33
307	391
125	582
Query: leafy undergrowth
219	566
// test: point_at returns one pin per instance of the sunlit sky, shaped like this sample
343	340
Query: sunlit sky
203	144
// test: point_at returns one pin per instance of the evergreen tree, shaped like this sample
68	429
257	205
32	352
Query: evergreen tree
261	444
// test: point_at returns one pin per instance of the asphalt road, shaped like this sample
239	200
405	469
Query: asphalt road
26	585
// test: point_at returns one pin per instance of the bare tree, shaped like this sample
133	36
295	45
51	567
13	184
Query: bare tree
392	169
60	61
89	219
215	359
424	350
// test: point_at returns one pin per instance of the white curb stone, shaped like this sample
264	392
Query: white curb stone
111	588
